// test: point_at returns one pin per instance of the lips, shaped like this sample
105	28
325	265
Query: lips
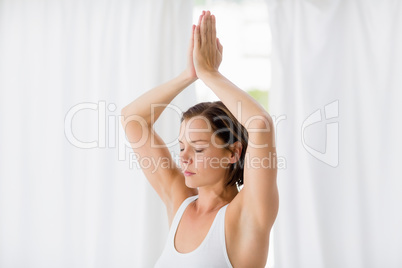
188	173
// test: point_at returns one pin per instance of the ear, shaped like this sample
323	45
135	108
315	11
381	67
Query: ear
236	147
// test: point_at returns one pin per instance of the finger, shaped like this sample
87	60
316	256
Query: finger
192	36
210	40
203	29
207	26
200	18
213	32
197	37
220	47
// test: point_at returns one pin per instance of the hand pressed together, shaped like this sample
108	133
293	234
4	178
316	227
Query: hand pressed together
207	50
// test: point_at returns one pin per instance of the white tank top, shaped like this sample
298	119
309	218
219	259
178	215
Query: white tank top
210	253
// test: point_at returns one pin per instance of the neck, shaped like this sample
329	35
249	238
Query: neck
209	201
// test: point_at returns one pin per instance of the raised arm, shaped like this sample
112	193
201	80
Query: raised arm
161	171
162	94
259	197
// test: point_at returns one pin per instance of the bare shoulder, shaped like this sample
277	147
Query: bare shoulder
244	237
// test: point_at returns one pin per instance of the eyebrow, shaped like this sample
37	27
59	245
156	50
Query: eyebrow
191	141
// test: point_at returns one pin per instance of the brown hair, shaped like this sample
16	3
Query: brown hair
230	131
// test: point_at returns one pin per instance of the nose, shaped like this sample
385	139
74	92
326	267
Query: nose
185	157
186	162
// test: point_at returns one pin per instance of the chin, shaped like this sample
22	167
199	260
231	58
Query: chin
190	185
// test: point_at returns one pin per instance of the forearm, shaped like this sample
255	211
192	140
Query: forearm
162	94
249	112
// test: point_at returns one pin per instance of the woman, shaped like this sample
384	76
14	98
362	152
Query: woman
212	223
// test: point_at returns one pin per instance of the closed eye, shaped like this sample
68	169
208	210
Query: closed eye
197	151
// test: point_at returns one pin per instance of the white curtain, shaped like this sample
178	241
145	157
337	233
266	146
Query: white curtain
337	99
68	196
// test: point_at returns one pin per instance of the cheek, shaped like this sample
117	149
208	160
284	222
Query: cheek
201	160
213	162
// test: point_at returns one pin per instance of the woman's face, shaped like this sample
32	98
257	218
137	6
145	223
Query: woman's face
202	153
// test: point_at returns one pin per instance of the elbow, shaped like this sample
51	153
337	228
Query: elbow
123	116
122	112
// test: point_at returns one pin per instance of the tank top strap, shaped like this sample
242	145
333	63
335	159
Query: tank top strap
180	212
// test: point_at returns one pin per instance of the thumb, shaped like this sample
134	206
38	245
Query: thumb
191	46
192	34
197	37
219	45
